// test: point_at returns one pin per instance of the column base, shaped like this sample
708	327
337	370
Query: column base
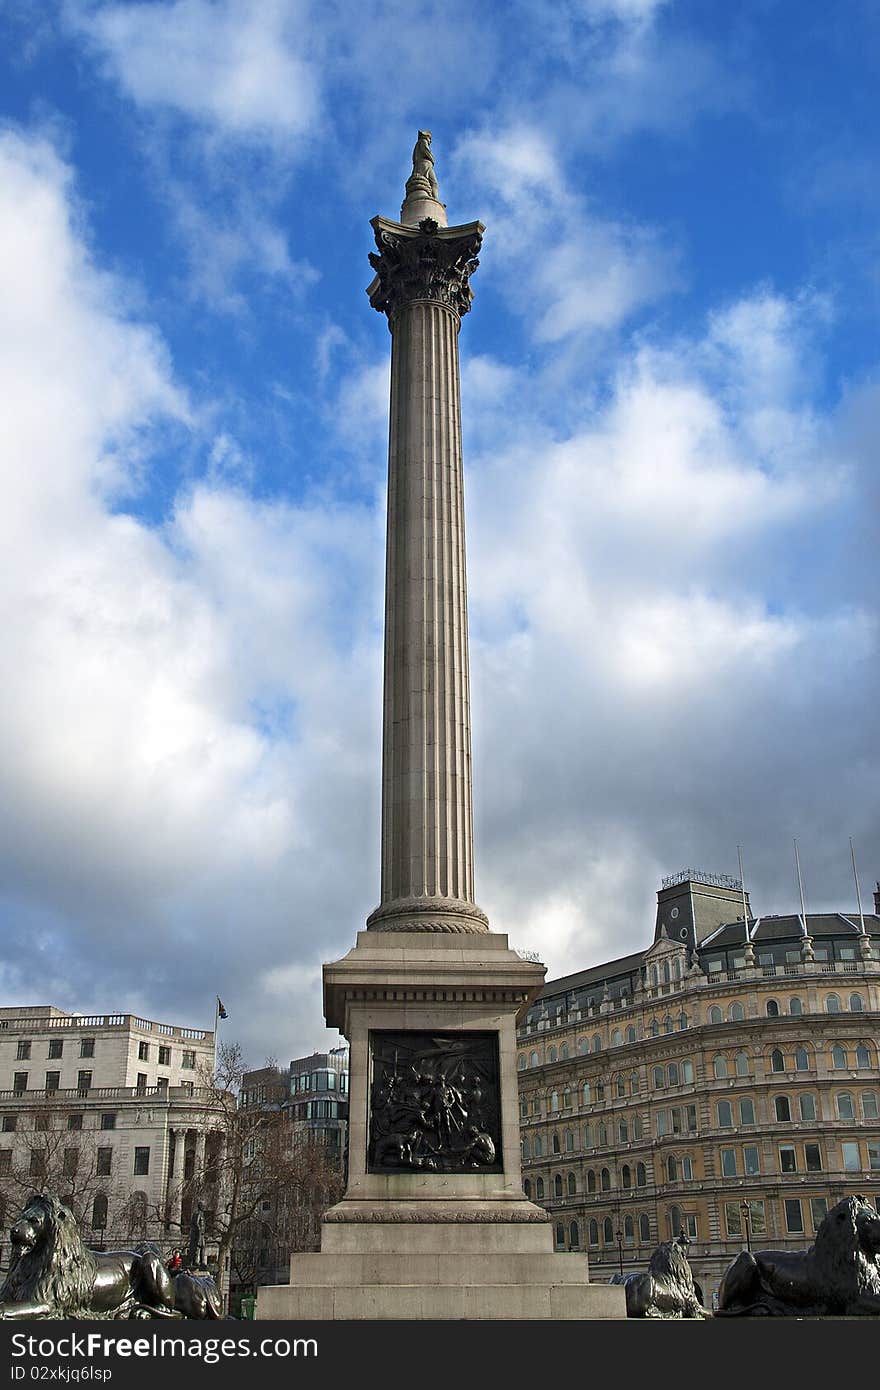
428	915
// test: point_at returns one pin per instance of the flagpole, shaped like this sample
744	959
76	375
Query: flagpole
216	1027
797	860
858	891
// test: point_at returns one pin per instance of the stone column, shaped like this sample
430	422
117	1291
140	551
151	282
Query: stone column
422	274
175	1182
199	1169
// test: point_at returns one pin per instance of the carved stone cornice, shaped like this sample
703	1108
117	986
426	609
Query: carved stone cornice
427	262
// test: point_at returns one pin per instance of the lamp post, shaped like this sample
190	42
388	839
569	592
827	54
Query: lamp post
747	1222
619	1234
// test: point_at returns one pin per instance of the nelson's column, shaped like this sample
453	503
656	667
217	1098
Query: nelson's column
434	1222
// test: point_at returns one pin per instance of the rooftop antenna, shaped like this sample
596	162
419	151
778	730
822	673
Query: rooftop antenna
797	860
858	891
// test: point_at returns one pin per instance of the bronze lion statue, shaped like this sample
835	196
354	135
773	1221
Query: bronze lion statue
53	1274
838	1276
667	1289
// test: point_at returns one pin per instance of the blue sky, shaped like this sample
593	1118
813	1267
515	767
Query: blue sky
671	381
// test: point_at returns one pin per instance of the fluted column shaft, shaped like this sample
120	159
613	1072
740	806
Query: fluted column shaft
427	813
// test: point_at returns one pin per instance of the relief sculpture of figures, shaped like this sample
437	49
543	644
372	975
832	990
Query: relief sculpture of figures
434	1103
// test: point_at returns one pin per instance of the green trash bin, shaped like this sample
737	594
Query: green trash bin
248	1303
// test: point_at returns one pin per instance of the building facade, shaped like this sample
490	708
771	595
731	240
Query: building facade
723	1082
110	1111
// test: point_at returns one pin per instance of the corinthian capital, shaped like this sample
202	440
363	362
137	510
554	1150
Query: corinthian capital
426	262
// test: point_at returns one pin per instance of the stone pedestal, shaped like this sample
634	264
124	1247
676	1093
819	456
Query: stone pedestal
409	1242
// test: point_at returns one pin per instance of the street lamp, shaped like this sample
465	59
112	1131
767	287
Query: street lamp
619	1234
747	1222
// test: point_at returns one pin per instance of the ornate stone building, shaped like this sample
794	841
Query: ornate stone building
108	1110
725	1082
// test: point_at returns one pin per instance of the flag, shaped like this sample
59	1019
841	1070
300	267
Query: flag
221	1012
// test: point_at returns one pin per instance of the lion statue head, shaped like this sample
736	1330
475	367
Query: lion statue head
670	1261
847	1248
49	1260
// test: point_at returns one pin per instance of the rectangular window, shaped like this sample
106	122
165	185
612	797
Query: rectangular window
9	1123
38	1163
84	1081
747	1111
691	1113
188	1061
818	1211
56	1047
690	1226
71	1160
687	1170
108	1120
869	1105
53	1080
787	1159
751	1160
24	1052
757	1218
874	1157
41	1121
161	1082
141	1162
733	1218
794	1220
141	1081
676	1120
851	1161
164	1056
87	1047
725	1115
662	1122
143	1051
104	1163
813	1158
19	1082
5	1160
74	1122
728	1163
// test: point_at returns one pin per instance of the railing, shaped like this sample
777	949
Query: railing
96	1021
109	1093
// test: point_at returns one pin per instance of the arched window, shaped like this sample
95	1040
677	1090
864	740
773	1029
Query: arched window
600	1090
626	1175
719	1066
675	1223
526	1152
569	1142
741	1064
574	1236
855	1004
715	1014
672	1169
659	1077
777	1061
583	1046
783	1109
608	1231
616	1037
630	1034
591	1181
557	1147
563	1052
747	1111
560	1234
621	1086
672	1073
572	1185
725	1114
539	1188
622	1132
838	1056
832	1004
538	1146
795	1007
533	1059
99	1212
551	1055
666	976
869	1105
606	1180
682	1019
653	976
629	1230
597	1043
527	1187
644	1228
687	1073
735	1013
667	1024
845	1109
807	1106
676	968
655	1028
557	1185
603	1135
772	1008
585	1093
521	1061
554	1100
637	1126
641	1175
588	1140
634	1085
863	1057
566	1098
594	1232
801	1059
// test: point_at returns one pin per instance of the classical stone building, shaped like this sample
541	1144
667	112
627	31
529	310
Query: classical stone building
724	1081
108	1110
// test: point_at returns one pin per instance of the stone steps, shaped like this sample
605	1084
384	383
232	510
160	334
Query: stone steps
446	1302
